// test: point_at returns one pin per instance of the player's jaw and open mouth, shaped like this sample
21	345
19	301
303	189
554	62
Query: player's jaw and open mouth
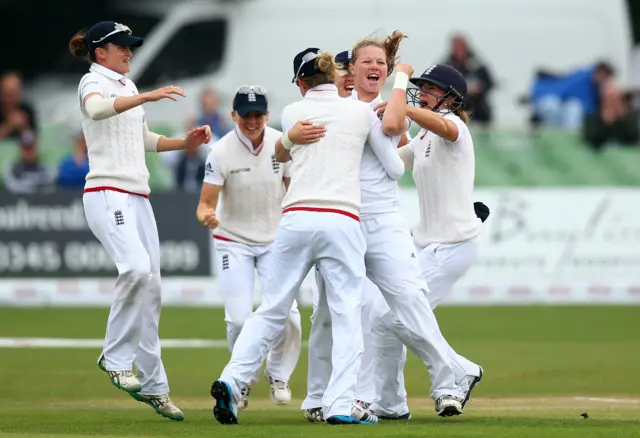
373	79
348	84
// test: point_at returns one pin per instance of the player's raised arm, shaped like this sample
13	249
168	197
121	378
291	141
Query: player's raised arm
385	148
394	120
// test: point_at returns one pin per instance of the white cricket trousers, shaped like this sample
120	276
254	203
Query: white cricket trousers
442	265
393	267
320	344
237	263
126	227
334	243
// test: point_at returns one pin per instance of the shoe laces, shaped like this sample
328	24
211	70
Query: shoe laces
448	397
121	373
279	384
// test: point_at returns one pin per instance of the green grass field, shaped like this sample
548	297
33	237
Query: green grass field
544	367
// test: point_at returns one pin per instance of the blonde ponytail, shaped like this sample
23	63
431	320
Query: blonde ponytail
327	65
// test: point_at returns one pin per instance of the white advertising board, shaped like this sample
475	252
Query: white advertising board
544	246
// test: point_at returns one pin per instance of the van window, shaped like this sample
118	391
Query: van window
196	49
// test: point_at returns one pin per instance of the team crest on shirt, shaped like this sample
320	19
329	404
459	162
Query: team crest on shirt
275	164
428	151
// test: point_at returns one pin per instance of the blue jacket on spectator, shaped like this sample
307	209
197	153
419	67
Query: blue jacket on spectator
71	175
578	85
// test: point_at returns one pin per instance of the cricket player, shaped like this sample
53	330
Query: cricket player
116	204
443	163
390	257
242	169
319	225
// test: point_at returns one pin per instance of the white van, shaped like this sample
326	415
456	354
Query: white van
224	44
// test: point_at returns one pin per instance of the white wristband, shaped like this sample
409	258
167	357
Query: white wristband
401	81
286	143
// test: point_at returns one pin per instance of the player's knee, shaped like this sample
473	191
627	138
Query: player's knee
138	273
236	320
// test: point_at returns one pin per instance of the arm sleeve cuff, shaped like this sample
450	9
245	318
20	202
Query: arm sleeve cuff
150	139
100	108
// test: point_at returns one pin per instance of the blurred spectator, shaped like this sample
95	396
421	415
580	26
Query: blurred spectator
28	175
479	81
616	121
16	116
75	166
566	100
190	171
210	114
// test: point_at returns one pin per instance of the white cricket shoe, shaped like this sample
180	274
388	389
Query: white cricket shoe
360	411
314	415
449	406
280	392
125	379
162	404
244	399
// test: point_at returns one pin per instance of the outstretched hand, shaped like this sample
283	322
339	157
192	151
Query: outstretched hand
198	136
168	92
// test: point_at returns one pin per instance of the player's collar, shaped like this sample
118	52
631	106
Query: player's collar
104	71
374	102
248	143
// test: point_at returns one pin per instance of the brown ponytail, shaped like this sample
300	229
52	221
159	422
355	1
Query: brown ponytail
464	115
79	49
391	47
327	65
389	44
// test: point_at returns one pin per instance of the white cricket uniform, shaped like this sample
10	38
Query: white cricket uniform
319	225
445	238
117	208
393	270
249	211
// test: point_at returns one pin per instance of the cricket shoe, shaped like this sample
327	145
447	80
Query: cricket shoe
473	381
360	411
162	404
280	392
314	415
225	408
449	406
244	399
376	410
406	416
343	419
125	380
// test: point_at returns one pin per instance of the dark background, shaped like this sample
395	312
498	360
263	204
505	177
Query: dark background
34	34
